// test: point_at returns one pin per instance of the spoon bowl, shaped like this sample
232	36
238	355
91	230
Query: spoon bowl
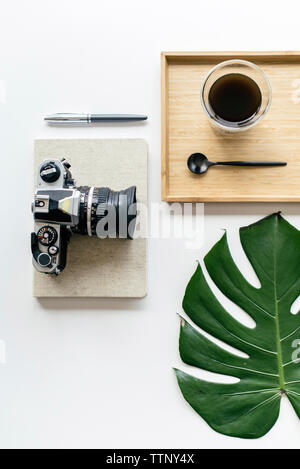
198	163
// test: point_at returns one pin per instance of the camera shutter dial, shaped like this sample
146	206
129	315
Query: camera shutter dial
47	235
50	172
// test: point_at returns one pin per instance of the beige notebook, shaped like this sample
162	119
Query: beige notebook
95	267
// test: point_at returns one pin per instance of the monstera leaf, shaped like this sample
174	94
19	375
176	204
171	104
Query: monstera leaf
250	407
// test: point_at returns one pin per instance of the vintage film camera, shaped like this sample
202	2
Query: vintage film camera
60	209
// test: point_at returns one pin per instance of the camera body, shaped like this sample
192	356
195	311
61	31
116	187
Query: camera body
61	209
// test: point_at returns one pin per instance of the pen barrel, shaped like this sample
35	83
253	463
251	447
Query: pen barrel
116	117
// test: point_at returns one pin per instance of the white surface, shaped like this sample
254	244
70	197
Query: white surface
98	373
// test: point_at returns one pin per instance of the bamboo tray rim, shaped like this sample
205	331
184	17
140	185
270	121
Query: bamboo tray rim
180	56
193	57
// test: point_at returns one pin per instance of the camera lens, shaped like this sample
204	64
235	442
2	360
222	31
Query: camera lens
107	213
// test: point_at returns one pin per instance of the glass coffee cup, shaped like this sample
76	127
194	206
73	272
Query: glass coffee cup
236	95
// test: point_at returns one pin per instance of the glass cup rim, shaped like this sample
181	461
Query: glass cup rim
246	63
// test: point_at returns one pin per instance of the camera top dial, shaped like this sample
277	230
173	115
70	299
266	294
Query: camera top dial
50	172
47	235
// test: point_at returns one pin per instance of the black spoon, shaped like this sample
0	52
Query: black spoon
199	164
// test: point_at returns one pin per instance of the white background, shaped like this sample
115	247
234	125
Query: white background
98	373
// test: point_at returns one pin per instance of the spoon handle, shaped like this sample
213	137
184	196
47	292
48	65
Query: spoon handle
252	163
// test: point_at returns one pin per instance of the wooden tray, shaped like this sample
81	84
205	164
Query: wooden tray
186	129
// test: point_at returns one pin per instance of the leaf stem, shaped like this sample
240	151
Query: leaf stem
278	341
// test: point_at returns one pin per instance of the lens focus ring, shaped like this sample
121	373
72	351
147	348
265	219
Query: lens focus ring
102	201
94	205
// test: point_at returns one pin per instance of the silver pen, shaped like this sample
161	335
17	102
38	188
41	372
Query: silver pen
69	118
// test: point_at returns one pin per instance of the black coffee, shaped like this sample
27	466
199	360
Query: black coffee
235	98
